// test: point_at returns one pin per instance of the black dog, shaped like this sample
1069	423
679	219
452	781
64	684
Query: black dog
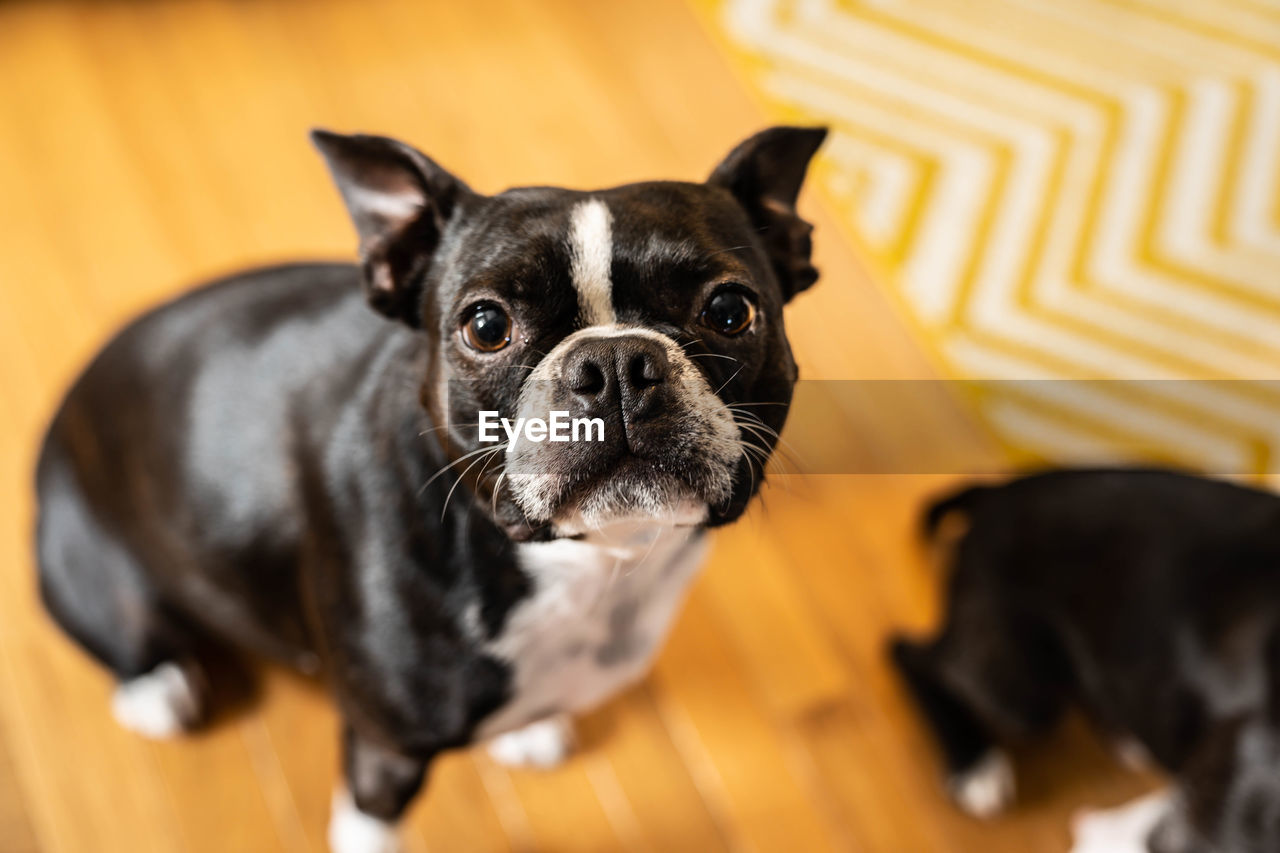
268	462
1151	600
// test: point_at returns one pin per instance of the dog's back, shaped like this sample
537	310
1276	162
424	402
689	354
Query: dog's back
1089	542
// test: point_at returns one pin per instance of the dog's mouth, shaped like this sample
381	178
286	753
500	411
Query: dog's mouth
639	488
578	491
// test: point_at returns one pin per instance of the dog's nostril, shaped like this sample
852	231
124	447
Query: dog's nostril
645	370
588	379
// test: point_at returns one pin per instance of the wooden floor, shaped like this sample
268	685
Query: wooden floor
145	146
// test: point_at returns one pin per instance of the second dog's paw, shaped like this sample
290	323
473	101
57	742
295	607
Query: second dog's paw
544	744
166	702
353	831
987	788
1119	830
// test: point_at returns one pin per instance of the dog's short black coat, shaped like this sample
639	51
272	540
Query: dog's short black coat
258	460
1148	598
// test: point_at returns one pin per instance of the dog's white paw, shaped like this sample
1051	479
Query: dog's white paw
1119	830
353	831
544	744
165	702
988	788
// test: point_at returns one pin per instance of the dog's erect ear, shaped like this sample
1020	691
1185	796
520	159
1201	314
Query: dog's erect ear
765	173
400	201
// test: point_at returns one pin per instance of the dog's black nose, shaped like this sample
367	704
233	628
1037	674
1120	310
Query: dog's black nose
627	373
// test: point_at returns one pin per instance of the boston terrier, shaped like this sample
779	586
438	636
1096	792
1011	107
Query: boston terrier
267	462
1150	600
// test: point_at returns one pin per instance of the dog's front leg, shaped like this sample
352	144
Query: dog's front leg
543	744
380	783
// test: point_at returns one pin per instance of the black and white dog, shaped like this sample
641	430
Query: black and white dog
261	460
1148	598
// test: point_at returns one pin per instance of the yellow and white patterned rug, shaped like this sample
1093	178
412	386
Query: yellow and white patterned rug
1058	190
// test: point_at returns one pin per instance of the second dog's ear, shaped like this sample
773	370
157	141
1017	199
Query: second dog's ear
400	201
764	173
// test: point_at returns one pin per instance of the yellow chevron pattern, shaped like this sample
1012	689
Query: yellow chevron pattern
1058	190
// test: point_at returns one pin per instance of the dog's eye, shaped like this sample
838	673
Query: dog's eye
488	328
729	312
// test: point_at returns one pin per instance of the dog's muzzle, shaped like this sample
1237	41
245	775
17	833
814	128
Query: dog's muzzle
668	444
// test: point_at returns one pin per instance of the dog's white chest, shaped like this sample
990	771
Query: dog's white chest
600	609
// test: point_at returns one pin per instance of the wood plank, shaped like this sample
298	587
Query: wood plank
736	754
561	807
16	812
84	770
751	587
634	765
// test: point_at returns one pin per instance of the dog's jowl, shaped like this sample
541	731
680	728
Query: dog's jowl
268	462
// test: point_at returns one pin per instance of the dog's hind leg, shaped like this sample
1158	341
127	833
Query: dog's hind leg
98	593
1135	827
979	776
992	676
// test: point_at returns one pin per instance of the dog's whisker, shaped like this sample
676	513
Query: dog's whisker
753	446
751	468
430	430
756	424
756	453
488	460
765	457
738	408
497	487
752	415
764	438
781	460
490	451
437	475
754	420
775	463
480	478
758	431
730	379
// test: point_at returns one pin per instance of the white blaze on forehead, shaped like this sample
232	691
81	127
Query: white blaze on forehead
591	251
